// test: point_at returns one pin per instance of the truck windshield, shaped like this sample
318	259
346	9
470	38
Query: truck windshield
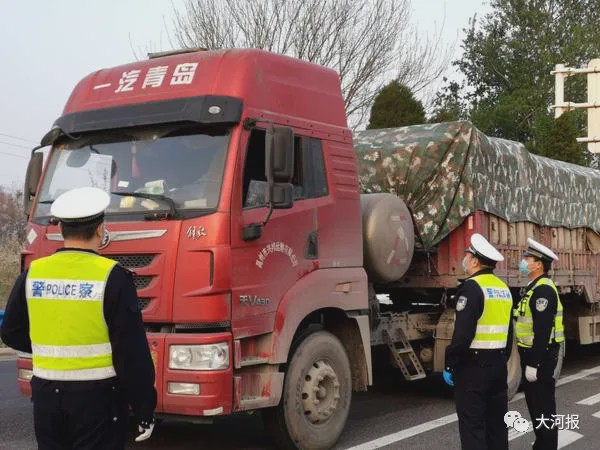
183	165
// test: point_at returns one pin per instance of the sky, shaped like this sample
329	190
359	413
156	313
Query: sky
46	47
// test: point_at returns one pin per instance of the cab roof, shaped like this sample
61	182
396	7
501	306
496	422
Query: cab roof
264	81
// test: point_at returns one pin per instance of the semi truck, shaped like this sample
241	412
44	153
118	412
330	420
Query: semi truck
265	238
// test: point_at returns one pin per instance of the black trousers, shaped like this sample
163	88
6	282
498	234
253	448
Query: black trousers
541	400
481	402
78	415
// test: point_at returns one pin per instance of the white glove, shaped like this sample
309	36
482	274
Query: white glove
531	374
145	432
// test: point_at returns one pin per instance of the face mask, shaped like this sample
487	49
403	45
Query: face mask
523	267
464	264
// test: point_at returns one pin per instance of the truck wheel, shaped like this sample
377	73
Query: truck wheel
513	367
316	395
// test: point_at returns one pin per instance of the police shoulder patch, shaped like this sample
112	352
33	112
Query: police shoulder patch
461	303
541	304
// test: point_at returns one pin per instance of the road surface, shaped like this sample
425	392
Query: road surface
392	415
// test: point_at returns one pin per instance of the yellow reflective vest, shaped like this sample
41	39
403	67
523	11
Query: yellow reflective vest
493	325
524	325
65	298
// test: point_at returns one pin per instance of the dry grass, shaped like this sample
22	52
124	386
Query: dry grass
10	250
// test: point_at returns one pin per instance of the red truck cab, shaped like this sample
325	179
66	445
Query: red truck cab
235	201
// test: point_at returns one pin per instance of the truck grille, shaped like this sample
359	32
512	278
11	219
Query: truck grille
141	281
133	261
143	303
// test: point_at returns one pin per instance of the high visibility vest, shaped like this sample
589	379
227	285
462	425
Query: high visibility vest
492	326
524	325
65	298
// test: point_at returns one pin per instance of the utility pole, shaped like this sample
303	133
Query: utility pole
592	105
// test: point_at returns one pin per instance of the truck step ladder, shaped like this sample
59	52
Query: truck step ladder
404	356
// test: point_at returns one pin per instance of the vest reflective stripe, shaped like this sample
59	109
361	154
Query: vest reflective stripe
524	323
488	345
492	326
65	299
101	373
71	351
492	329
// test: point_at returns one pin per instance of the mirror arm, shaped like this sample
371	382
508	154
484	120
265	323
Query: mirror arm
268	216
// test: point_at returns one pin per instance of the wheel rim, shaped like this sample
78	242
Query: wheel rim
321	392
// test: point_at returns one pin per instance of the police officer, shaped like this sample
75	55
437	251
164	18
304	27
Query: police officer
539	329
476	358
77	313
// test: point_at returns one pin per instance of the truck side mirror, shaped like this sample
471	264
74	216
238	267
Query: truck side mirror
32	178
279	160
280	195
51	136
279	170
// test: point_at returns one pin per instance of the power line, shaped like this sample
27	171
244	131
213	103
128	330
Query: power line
15	145
17	137
12	154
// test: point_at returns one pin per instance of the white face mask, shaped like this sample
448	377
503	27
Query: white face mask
464	264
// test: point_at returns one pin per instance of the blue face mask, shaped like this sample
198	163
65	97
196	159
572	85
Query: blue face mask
523	267
464	264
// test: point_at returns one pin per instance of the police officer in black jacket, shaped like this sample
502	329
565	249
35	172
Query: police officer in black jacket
77	313
477	356
540	330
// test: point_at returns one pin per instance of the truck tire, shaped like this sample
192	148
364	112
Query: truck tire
316	395
513	368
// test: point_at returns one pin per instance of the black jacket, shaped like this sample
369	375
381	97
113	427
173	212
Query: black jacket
465	325
130	353
543	321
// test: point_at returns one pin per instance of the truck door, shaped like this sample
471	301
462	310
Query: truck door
265	268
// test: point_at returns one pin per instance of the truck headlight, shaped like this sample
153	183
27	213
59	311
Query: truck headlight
25	374
199	357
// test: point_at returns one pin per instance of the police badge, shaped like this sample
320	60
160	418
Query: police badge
461	303
541	304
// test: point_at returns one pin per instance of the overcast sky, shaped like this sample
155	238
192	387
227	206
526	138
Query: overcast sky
46	47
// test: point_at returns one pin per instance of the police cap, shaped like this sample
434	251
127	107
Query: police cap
485	251
540	251
80	205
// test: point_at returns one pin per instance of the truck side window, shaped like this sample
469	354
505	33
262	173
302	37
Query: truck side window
310	179
255	181
316	176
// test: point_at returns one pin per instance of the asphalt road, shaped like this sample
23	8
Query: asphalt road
392	415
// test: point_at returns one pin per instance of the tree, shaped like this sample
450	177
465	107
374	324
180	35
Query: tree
12	216
12	235
558	138
368	42
507	61
449	104
395	106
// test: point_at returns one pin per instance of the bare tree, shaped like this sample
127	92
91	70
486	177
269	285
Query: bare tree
368	42
12	235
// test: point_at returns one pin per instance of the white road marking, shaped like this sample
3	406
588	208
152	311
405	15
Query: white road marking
566	437
590	400
405	434
440	422
514	434
596	415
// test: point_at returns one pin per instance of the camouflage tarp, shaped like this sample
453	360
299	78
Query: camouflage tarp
446	171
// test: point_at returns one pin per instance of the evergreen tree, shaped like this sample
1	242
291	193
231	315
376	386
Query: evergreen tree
395	106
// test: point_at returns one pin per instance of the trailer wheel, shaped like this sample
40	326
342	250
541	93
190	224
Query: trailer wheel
513	368
316	395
